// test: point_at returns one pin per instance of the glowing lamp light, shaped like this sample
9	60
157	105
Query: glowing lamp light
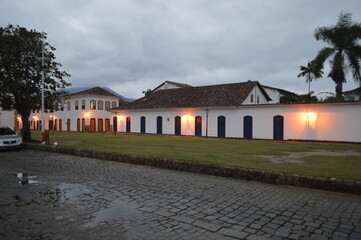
186	116
86	115
120	117
310	116
19	119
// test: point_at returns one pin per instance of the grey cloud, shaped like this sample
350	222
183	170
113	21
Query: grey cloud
132	45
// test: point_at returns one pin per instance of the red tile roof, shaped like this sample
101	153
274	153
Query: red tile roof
95	91
205	96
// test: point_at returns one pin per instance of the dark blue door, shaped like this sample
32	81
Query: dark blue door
221	126
142	125
177	125
198	126
115	124
247	127
278	127
127	122
159	125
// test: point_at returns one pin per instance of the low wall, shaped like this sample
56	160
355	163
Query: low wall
331	184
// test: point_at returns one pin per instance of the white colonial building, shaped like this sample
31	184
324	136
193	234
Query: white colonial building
239	110
81	111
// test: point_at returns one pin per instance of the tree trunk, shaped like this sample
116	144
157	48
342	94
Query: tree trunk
25	131
339	96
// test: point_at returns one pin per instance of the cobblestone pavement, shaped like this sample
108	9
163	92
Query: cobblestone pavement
67	197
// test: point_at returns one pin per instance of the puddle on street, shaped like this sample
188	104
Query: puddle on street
26	179
115	212
73	190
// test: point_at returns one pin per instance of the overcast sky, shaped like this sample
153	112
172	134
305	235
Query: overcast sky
134	45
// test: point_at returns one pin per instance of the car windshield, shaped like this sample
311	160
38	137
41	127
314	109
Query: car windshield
6	131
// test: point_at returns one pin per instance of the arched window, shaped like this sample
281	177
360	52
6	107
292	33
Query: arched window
82	104
76	105
278	127
127	124
177	125
114	104
221	126
142	124
93	105
247	127
100	105
159	125
198	126
107	105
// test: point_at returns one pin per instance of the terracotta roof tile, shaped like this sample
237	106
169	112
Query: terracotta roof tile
95	91
206	96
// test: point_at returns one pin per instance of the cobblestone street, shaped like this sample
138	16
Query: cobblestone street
68	197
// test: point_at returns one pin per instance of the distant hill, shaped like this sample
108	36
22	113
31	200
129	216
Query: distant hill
79	89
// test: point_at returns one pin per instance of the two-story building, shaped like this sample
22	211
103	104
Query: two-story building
81	111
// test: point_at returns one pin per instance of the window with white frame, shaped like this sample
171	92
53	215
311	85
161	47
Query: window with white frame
93	105
107	105
100	105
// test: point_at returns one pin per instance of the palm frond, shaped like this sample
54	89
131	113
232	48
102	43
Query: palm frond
355	63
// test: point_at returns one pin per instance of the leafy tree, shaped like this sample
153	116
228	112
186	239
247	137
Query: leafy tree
309	98
147	92
310	72
21	72
344	51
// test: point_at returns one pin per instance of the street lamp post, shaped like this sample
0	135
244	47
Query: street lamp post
207	122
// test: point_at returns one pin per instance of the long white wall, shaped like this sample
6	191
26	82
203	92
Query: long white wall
329	122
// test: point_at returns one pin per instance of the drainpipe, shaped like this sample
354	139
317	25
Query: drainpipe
207	122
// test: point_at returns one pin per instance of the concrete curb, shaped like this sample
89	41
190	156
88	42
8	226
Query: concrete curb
331	184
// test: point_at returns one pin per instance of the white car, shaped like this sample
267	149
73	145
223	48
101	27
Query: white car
9	139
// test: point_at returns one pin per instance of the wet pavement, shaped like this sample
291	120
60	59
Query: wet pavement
52	196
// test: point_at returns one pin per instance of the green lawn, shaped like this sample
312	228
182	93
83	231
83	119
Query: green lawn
231	152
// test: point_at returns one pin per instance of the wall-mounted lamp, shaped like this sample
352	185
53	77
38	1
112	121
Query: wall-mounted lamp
307	117
86	115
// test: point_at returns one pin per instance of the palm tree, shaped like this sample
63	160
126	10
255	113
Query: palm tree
311	73
344	50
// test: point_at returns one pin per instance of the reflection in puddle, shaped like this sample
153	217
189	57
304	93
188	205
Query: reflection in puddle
26	179
114	212
73	190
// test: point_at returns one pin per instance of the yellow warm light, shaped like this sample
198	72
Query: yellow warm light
186	116
86	115
35	117
310	116
120	117
19	119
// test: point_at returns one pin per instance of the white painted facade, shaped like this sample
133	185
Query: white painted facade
274	94
255	97
7	118
167	85
79	119
321	122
